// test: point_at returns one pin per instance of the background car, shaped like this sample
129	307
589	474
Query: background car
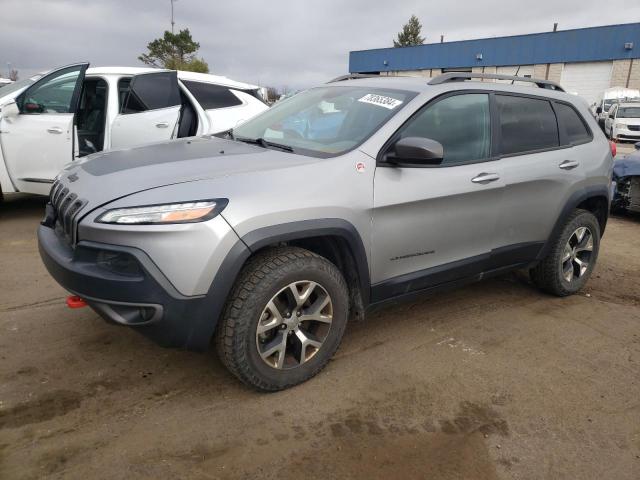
623	121
608	98
626	182
74	111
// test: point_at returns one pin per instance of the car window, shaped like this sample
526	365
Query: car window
212	96
526	124
149	91
629	112
328	120
461	123
574	127
55	94
123	91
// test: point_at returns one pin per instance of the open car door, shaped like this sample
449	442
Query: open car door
149	109
37	142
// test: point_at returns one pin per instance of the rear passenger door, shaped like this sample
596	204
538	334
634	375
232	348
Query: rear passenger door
436	224
541	169
149	109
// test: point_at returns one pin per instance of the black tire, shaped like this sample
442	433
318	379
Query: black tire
261	279
548	274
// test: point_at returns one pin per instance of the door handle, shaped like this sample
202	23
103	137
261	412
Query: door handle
484	178
568	165
162	125
56	130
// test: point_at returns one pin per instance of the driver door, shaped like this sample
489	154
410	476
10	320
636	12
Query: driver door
436	224
38	142
150	105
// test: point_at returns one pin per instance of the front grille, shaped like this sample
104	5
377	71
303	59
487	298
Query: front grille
66	206
634	128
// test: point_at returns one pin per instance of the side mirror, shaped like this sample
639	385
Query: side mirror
10	110
598	110
31	107
416	151
637	145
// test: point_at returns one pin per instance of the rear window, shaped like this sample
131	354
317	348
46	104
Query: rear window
526	124
212	96
574	127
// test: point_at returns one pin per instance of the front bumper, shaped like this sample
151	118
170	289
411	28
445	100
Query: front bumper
626	134
124	286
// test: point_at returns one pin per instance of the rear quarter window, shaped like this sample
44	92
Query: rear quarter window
574	127
211	96
526	124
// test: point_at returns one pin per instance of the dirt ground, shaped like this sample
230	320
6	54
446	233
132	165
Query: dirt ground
492	381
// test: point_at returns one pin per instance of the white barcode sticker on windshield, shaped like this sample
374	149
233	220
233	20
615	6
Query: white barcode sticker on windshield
381	101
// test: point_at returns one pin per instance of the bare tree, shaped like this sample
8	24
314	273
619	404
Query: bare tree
13	75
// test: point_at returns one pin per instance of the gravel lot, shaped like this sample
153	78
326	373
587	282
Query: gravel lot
495	380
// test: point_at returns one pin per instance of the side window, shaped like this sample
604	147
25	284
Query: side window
123	93
211	96
149	91
55	94
574	127
461	123
526	124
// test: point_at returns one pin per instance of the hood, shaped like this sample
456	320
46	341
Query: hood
104	177
628	121
627	166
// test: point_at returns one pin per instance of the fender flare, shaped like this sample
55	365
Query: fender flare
212	306
300	230
574	200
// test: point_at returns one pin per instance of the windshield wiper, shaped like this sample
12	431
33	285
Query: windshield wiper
264	143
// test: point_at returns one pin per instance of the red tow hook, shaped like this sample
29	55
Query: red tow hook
74	301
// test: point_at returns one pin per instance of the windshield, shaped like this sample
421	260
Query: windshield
628	112
325	121
14	87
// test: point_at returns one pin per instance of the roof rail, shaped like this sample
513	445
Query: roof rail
462	76
353	76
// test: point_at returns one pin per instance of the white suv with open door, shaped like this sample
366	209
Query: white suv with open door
74	111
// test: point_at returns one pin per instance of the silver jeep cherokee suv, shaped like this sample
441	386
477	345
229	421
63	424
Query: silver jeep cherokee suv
267	238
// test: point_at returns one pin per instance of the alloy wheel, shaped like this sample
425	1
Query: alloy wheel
577	254
294	325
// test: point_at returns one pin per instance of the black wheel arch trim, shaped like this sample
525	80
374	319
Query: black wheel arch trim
212	307
300	230
578	197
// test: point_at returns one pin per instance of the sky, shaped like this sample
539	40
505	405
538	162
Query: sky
280	43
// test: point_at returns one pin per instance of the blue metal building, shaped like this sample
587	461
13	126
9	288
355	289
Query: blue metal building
585	60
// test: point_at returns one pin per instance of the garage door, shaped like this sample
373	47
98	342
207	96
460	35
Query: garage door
586	79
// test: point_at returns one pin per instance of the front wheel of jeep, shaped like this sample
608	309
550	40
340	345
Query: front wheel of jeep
572	256
284	319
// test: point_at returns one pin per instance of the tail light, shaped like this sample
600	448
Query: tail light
614	148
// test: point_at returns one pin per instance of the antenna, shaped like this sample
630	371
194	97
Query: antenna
172	22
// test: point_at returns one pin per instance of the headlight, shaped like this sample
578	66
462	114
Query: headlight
187	212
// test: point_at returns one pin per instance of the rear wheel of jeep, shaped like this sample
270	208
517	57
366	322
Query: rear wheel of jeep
284	319
572	257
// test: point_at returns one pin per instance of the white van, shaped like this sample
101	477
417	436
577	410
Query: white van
610	96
